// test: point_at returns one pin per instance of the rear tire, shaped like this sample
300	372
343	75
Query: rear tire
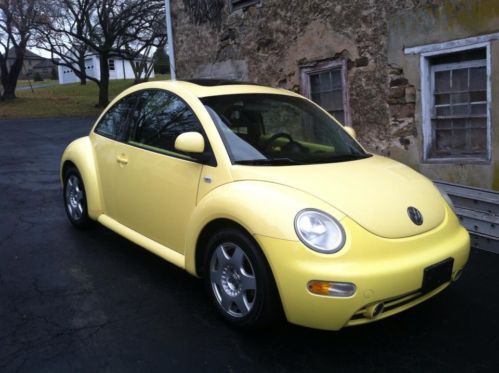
75	199
239	281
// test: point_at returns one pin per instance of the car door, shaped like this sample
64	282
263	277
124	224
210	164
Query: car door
158	185
108	141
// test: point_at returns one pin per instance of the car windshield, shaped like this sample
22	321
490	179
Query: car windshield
269	129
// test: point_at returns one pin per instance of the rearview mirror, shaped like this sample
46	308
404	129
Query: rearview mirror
350	131
190	142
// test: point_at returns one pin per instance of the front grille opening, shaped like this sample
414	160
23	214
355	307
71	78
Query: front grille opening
390	304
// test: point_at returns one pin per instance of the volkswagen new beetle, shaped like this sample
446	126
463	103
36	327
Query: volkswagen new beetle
269	199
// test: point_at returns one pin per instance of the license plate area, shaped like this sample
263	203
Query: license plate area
437	274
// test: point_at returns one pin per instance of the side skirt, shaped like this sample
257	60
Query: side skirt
162	251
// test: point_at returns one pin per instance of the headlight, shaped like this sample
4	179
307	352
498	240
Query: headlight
445	196
319	231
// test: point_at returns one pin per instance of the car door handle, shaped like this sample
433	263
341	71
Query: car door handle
122	159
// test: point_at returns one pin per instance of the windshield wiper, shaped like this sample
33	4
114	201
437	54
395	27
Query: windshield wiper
341	158
267	162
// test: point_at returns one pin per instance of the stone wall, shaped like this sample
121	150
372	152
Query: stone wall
401	108
267	44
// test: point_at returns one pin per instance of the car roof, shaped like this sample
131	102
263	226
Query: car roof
213	87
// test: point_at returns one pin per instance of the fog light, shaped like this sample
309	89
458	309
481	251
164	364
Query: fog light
332	289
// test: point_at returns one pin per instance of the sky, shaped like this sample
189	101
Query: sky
40	52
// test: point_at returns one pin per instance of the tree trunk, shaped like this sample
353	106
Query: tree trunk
9	92
9	79
104	81
83	74
136	71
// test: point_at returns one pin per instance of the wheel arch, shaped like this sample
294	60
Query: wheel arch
268	210
208	230
65	167
79	154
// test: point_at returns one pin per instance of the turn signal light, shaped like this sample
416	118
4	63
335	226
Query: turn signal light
331	289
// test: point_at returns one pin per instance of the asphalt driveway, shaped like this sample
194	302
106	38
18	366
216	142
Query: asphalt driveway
87	301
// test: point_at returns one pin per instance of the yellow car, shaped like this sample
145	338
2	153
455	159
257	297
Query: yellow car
269	199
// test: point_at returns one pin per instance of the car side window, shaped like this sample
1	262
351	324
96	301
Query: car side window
163	117
115	123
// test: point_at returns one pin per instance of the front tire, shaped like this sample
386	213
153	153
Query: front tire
239	281
75	199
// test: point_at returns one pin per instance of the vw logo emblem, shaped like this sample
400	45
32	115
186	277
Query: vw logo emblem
415	215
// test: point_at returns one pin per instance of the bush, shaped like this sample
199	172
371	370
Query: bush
37	77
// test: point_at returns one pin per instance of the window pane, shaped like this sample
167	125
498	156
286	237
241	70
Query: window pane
478	78
327	101
316	97
332	100
338	100
478	123
315	84
325	79
460	98
442	99
459	140
442	124
459	124
336	76
442	111
443	141
460	80
115	123
163	118
339	115
442	81
478	96
478	140
460	109
479	109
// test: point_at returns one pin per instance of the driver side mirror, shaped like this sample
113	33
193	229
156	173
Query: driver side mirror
350	131
190	142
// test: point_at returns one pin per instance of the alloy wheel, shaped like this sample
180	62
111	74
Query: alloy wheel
233	280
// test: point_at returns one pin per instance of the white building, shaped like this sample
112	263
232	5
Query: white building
118	69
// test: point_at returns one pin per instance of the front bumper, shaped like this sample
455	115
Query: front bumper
384	270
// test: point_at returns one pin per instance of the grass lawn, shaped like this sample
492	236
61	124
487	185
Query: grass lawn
68	100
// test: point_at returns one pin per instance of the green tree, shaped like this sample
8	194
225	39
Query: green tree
161	61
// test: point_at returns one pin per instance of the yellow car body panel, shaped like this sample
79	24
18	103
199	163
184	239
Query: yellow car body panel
387	189
225	202
381	269
132	191
155	181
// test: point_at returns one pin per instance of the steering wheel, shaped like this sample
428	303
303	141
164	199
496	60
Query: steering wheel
291	146
276	136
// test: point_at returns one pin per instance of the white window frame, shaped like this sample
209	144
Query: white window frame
112	64
427	99
319	67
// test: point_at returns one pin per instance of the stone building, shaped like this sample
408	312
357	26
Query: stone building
417	79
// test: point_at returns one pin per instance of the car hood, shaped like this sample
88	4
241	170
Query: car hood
376	192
